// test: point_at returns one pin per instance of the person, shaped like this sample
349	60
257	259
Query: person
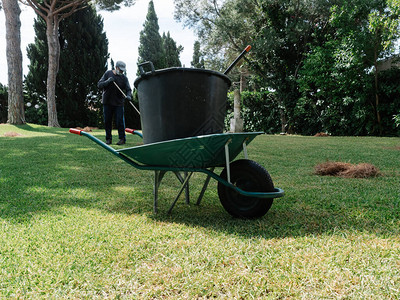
116	89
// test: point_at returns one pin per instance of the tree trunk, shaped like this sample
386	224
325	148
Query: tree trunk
283	119
16	113
378	114
54	56
236	121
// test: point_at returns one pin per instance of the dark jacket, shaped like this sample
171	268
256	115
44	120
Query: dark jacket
111	94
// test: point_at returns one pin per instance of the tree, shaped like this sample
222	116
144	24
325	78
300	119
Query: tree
161	51
151	43
198	60
335	79
279	31
172	51
79	70
53	12
219	26
16	113
384	29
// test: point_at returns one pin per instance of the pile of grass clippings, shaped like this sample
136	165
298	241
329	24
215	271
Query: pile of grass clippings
347	170
319	134
87	128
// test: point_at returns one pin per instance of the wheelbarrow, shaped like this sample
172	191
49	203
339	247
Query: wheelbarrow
245	188
182	112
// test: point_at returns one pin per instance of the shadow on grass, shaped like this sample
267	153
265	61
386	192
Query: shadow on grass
31	128
41	174
289	217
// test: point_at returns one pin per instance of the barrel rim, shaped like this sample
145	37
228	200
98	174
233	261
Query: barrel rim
179	69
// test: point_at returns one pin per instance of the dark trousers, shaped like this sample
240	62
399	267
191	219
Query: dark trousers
118	112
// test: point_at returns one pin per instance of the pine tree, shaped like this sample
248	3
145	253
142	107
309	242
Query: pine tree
198	61
151	45
171	51
83	60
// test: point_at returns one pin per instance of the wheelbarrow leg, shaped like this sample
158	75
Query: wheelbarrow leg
180	191
158	176
182	180
203	190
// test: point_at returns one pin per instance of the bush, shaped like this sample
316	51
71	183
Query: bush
3	103
259	111
35	109
389	96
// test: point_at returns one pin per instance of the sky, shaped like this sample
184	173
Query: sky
122	28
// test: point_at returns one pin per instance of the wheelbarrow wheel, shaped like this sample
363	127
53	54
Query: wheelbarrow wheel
250	177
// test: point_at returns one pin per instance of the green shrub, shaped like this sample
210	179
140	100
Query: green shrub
259	111
3	103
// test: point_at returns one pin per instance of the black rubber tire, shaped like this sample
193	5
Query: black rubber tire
250	177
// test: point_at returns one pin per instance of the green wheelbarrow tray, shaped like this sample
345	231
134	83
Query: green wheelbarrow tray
203	154
192	152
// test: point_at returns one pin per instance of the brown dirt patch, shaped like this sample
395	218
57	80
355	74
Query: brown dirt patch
392	148
12	134
347	170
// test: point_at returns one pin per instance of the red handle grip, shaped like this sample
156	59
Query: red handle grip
75	131
130	130
248	48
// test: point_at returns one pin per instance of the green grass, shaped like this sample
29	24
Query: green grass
76	222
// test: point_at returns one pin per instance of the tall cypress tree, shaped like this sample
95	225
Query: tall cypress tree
198	61
83	60
151	44
172	51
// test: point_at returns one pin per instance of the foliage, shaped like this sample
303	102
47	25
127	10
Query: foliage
316	55
339	93
78	223
198	60
78	98
259	111
112	5
383	25
3	103
336	102
150	41
396	119
161	51
53	12
279	31
389	91
334	112
172	51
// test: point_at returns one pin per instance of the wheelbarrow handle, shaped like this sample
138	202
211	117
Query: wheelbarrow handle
75	131
134	131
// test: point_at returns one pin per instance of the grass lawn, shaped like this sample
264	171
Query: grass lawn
76	222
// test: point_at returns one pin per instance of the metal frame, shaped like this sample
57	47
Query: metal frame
160	171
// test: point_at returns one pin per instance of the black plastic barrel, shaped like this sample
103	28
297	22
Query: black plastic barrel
181	102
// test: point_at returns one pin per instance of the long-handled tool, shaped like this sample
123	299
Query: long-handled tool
247	49
125	97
